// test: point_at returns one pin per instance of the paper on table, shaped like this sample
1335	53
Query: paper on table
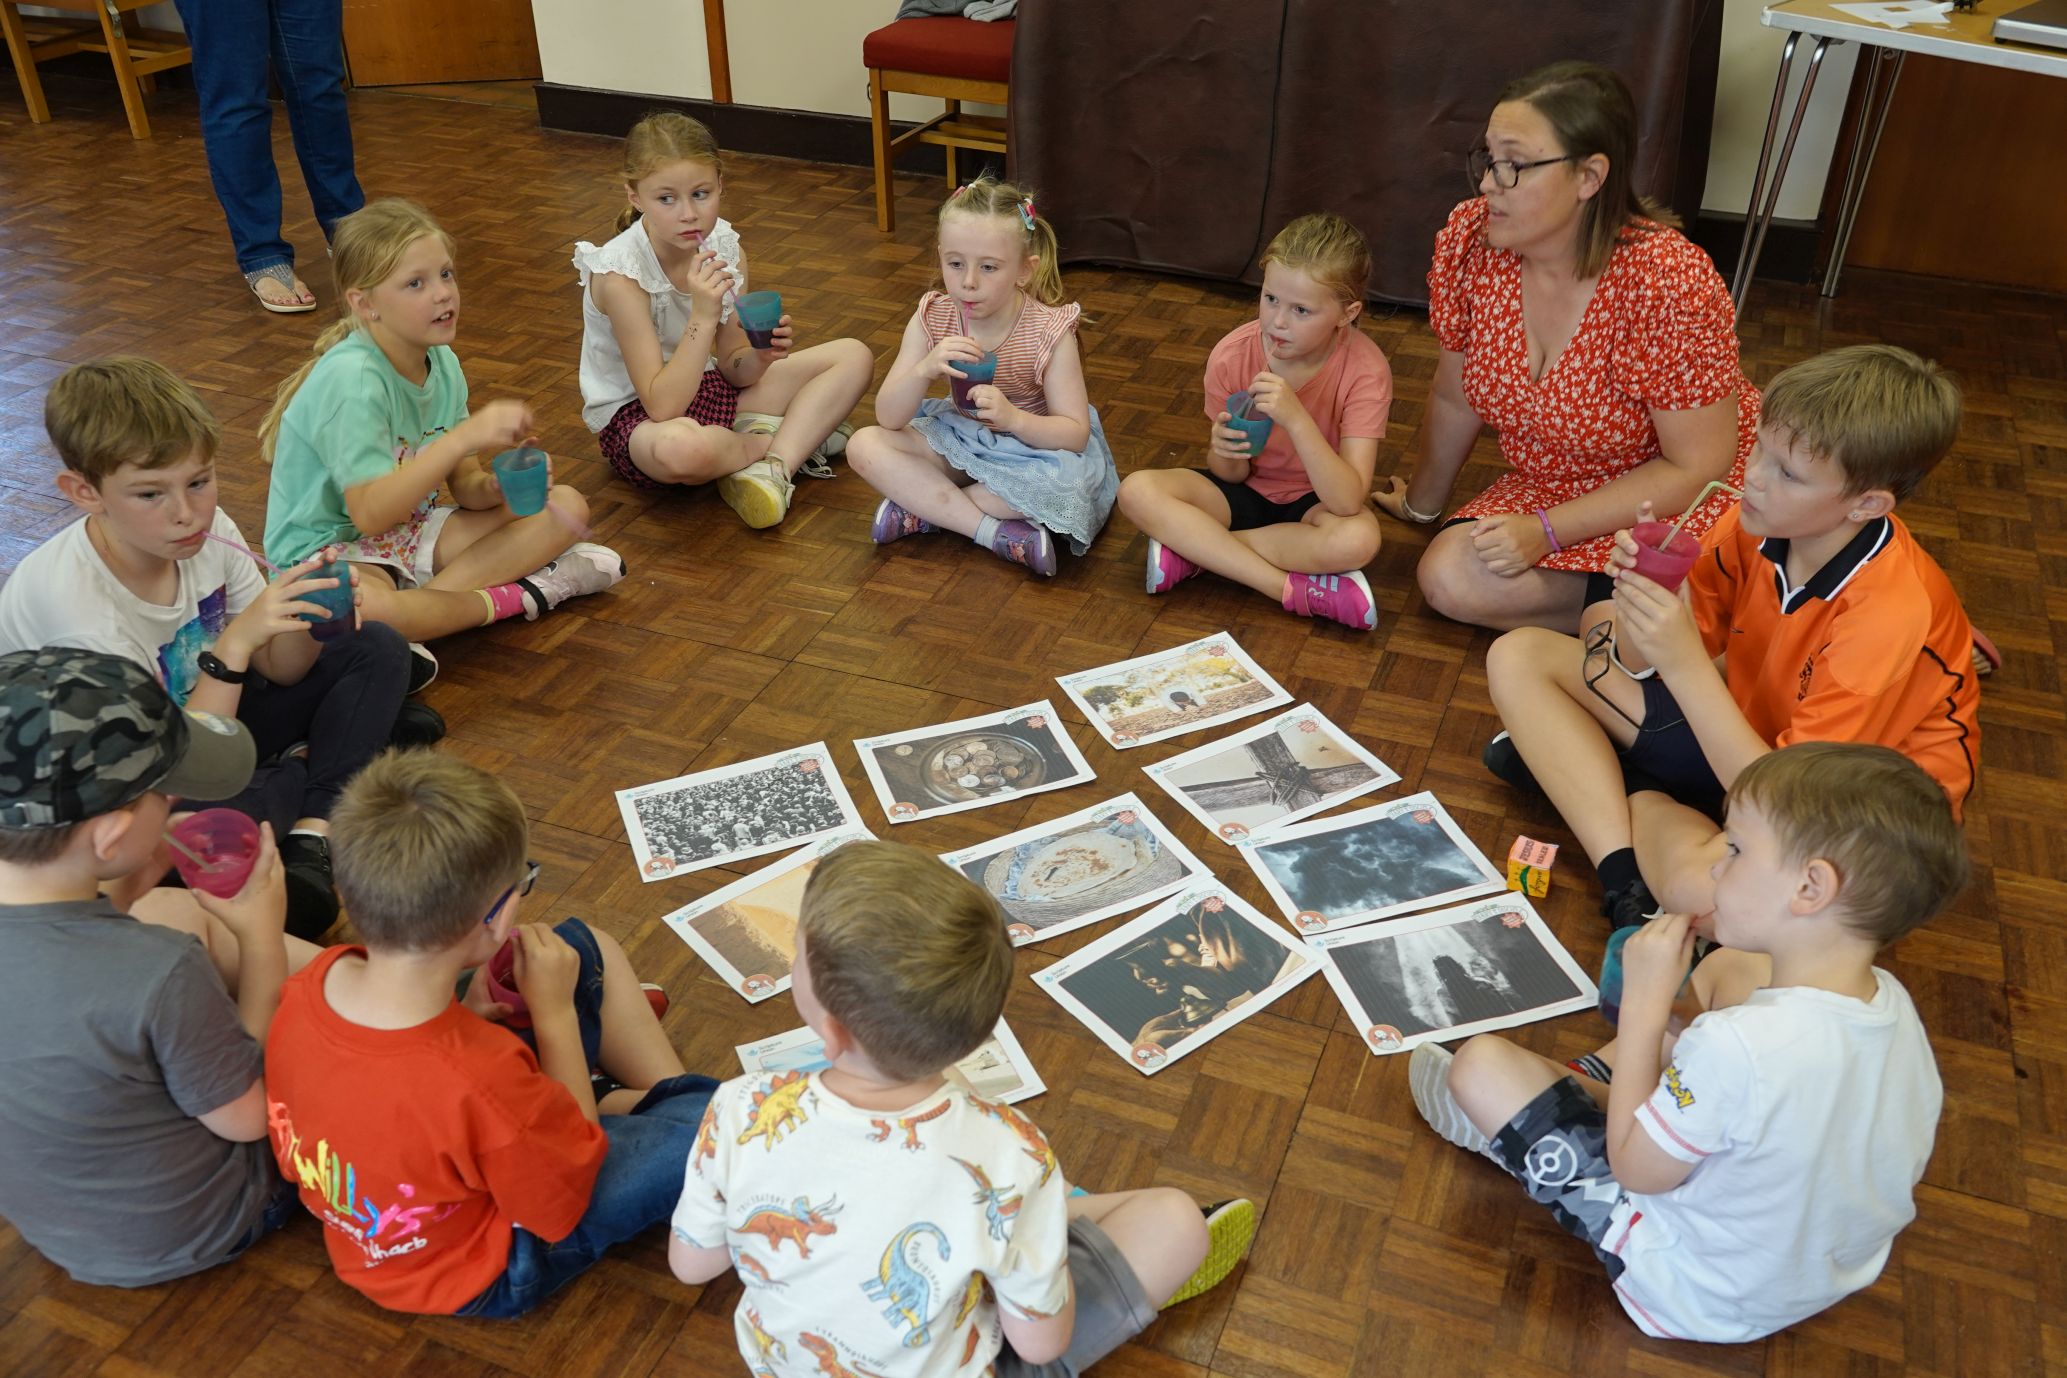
1899	14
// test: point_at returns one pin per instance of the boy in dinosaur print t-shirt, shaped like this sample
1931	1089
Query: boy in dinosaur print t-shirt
888	1222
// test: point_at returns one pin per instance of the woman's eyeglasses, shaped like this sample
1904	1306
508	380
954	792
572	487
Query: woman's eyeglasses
1506	171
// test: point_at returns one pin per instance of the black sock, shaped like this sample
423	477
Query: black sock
1618	871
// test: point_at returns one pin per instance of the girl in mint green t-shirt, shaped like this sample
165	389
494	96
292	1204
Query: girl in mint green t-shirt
365	436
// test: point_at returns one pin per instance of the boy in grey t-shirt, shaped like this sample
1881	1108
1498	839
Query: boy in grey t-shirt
132	1110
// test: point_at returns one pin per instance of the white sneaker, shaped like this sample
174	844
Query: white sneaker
1428	1076
759	493
583	567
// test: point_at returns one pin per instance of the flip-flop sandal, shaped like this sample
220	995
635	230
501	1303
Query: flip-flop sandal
283	275
1991	657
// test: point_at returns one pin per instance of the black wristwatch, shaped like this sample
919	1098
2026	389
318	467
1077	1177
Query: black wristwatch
211	665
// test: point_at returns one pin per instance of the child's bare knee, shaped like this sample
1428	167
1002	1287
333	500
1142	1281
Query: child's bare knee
1183	1224
1479	1064
686	453
1354	543
866	449
852	357
568	501
1525	655
1140	491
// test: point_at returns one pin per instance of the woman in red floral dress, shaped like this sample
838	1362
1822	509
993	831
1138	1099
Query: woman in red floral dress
1593	337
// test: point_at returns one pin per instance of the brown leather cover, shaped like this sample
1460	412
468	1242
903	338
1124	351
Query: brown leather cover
1149	132
1145	127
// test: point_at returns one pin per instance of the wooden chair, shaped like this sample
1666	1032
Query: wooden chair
955	59
135	51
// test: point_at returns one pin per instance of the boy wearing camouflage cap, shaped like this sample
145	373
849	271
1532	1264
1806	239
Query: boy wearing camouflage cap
132	1111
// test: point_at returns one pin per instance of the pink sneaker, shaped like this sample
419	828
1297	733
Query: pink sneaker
1343	598
893	523
1024	543
1166	568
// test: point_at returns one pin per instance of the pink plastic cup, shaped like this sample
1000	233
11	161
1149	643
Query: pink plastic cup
227	843
500	974
1666	568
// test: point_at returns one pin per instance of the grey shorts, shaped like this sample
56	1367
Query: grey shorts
1111	1307
1557	1147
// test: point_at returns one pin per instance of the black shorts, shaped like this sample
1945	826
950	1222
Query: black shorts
1557	1148
1248	509
1667	756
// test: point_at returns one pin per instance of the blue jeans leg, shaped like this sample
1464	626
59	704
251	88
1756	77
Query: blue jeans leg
638	1187
229	39
308	57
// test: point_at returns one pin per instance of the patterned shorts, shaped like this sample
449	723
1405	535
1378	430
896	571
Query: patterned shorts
1557	1146
408	551
716	404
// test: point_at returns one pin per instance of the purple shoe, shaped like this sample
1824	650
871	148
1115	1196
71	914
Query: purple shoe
1024	543
1343	598
1166	568
893	523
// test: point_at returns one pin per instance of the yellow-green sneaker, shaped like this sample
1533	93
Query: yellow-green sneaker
1231	1226
759	493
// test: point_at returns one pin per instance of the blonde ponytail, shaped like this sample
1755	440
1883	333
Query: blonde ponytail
989	198
365	248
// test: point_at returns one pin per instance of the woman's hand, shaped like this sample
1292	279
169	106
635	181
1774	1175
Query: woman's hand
1511	543
1392	501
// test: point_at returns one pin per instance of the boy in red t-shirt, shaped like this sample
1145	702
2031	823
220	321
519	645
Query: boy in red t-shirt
1811	615
1293	522
459	1170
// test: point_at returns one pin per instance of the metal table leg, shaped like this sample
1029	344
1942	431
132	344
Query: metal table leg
1860	168
1758	219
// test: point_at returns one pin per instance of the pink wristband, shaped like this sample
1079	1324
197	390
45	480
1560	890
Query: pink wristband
1548	534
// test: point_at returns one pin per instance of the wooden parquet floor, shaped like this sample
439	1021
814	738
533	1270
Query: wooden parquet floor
1383	1251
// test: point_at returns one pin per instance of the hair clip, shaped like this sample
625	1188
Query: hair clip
957	192
1027	213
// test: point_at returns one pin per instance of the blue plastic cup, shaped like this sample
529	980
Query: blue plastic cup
521	473
336	602
1255	428
984	370
759	314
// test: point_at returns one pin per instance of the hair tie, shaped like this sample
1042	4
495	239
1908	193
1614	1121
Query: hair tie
1027	213
956	193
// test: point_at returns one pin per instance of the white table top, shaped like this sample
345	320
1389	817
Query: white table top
1965	39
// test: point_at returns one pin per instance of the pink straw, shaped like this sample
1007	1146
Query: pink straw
963	307
262	561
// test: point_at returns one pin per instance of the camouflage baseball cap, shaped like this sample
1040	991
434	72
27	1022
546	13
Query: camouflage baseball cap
83	733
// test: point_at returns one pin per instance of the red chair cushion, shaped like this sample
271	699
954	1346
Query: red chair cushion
943	47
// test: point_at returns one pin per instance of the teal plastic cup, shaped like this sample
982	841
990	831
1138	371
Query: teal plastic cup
521	473
335	602
759	314
1255	428
983	371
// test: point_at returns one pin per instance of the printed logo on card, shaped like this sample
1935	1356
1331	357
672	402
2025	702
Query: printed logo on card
1309	725
1020	932
1217	649
1513	919
1122	738
1149	1056
902	811
1310	920
1037	721
1233	832
1424	816
807	767
1383	1037
757	985
1125	817
661	865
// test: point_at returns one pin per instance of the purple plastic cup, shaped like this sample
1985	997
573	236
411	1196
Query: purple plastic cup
227	843
1668	568
759	314
984	370
336	602
1256	428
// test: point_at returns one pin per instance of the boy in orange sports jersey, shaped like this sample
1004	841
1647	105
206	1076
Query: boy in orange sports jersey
1811	615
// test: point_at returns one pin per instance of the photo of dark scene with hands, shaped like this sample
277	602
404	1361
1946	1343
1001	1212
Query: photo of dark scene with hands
1190	970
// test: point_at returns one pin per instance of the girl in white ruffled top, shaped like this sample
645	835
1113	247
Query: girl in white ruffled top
670	383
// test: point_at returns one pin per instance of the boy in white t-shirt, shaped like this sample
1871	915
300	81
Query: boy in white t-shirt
137	576
866	1207
1747	1172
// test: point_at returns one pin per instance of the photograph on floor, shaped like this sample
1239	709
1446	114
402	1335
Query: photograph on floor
999	1070
1465	970
1371	864
953	766
1271	775
747	931
1170	693
1079	869
1179	976
735	812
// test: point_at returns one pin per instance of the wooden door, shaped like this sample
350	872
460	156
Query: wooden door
414	42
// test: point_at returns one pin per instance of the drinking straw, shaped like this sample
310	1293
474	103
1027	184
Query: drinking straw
181	848
1699	498
263	564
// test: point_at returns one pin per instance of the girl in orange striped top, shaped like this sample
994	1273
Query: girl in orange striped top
1016	453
